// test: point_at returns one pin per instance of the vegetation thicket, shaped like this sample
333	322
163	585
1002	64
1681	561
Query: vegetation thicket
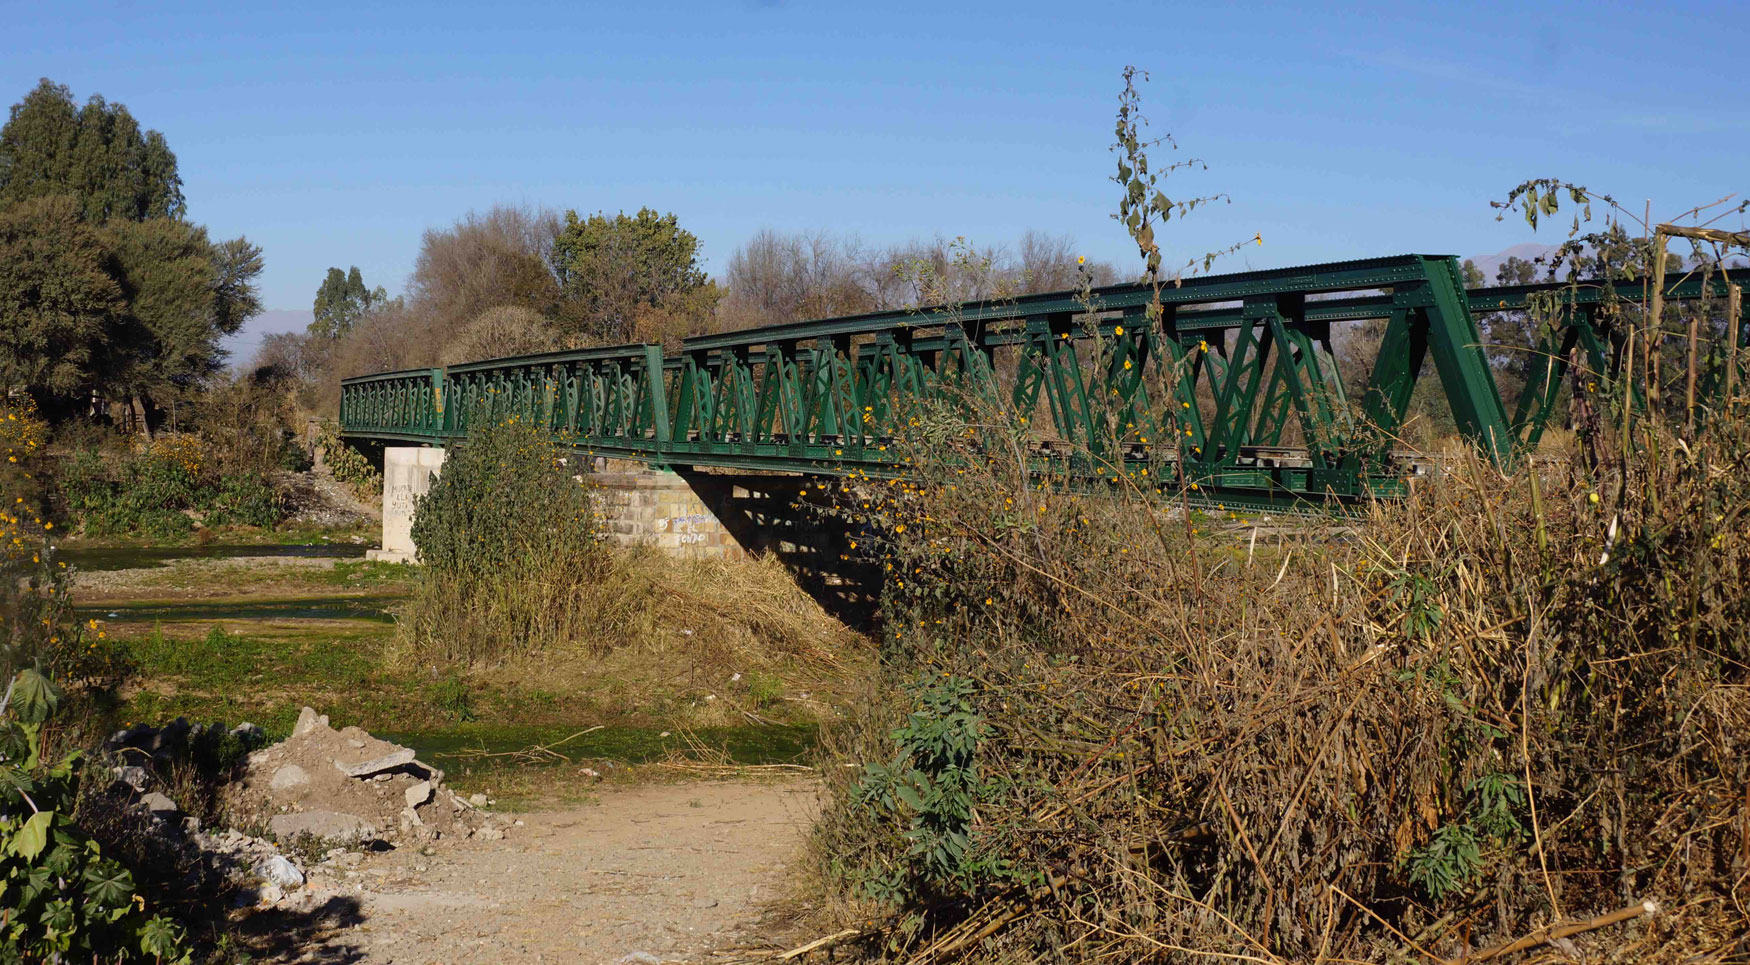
519	582
109	297
1109	729
67	897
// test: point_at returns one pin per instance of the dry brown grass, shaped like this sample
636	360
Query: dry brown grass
1506	702
663	632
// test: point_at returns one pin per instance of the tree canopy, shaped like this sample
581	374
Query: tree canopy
609	268
341	301
58	300
96	154
105	288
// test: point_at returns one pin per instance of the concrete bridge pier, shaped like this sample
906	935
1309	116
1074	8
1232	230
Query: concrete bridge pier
407	475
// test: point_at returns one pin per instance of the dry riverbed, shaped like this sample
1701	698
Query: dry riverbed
683	872
593	853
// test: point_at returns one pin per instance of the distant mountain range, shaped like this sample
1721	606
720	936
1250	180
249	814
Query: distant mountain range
245	343
1489	264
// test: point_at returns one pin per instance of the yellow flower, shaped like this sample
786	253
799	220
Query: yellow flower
1118	331
1081	259
1127	365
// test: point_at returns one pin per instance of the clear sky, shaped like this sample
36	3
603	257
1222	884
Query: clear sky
335	133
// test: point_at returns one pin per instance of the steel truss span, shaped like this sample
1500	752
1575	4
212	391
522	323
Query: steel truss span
1234	381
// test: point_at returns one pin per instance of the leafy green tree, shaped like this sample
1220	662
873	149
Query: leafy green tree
610	267
183	295
96	153
58	301
341	301
1473	276
1516	271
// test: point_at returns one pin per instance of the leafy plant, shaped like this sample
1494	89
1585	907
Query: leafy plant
451	695
61	897
1448	862
509	551
152	491
933	784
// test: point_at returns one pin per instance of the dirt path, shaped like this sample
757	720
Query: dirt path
669	871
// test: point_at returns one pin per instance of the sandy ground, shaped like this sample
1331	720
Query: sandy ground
677	872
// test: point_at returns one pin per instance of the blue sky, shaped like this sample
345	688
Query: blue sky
334	134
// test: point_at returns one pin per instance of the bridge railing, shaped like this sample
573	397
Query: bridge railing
1234	380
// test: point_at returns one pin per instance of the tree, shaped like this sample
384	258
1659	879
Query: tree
484	261
1516	271
499	333
784	278
609	268
183	294
341	301
58	301
1047	263
1473	276
96	154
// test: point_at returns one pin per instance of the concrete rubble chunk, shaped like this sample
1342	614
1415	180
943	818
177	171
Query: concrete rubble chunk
308	720
288	777
377	765
327	825
419	794
158	803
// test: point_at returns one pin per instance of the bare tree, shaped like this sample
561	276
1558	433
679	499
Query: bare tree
487	260
783	278
499	332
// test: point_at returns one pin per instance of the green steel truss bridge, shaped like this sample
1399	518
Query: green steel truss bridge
1235	383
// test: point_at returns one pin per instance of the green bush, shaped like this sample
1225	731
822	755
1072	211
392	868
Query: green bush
61	897
156	490
243	501
347	464
510	553
505	500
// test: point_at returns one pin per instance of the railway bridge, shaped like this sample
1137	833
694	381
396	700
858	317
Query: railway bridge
1231	380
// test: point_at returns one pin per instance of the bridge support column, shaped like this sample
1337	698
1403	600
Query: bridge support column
407	475
664	510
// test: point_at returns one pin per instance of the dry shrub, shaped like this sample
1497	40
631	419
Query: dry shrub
499	332
1131	735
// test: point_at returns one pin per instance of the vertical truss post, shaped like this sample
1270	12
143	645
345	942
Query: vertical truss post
1392	382
1458	356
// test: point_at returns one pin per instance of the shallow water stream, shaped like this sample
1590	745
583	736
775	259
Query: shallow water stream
96	558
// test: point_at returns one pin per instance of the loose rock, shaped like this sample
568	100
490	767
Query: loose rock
419	794
377	765
327	825
308	720
289	777
159	804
